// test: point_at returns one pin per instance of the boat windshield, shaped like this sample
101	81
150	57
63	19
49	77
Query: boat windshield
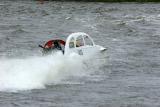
88	41
79	41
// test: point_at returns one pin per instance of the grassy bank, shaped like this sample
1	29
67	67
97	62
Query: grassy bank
111	0
126	0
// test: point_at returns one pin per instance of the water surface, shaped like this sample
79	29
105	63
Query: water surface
129	77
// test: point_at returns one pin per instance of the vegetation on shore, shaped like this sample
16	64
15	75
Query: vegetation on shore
112	0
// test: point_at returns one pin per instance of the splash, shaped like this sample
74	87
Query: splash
37	72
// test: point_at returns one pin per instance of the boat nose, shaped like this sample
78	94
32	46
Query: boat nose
103	49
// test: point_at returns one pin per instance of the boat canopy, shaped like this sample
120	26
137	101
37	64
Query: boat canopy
79	39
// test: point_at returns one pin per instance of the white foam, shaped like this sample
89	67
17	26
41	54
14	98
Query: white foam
36	72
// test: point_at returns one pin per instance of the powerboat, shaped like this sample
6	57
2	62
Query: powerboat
79	43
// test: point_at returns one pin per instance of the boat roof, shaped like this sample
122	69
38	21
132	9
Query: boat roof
78	34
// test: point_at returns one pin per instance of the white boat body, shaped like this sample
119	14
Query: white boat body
87	45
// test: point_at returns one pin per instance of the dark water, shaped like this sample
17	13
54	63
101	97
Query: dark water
130	31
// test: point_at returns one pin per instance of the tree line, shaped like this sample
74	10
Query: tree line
108	0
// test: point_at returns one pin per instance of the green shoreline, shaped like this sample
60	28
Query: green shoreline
110	0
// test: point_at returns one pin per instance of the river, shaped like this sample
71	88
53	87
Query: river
129	77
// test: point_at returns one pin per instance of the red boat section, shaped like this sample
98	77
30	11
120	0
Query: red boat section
50	43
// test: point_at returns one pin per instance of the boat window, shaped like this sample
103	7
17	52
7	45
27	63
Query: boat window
79	41
71	43
88	41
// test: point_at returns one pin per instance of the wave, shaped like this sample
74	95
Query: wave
19	31
37	72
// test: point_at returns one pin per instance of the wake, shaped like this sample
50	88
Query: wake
37	72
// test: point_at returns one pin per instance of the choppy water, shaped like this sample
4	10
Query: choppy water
130	77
